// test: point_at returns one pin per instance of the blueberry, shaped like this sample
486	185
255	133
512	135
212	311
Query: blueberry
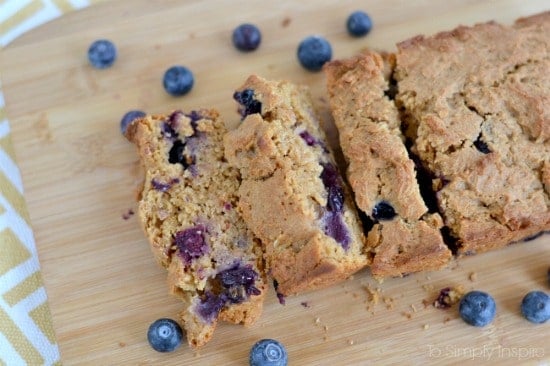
268	352
164	335
477	308
128	118
247	37
191	243
177	155
102	54
308	138
249	105
238	283
178	80
535	307
314	52
359	24
481	145
383	211
335	227
210	306
335	192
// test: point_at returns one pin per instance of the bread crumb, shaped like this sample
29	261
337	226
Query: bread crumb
413	308
426	326
373	296
326	328
389	302
449	296
121	344
286	22
350	342
472	276
129	213
317	321
407	315
428	288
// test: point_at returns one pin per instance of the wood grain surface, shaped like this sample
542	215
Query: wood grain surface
80	177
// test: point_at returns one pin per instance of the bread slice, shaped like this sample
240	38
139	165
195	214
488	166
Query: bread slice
292	195
188	210
405	236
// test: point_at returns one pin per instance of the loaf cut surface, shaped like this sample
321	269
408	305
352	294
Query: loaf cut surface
188	210
292	195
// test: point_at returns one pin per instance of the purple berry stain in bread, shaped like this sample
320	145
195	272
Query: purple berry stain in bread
308	138
191	243
168	132
333	224
335	227
164	187
249	105
238	283
333	186
210	306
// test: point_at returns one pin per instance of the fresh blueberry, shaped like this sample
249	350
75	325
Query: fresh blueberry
359	24
268	352
128	118
314	52
477	308
535	307
178	80
247	37
164	335
383	211
102	54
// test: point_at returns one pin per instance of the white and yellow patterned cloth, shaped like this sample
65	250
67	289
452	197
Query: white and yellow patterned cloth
26	332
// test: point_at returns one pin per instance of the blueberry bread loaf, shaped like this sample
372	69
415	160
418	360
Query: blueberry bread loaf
476	101
292	195
188	210
472	107
405	236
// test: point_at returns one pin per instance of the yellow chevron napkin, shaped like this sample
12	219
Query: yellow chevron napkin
26	332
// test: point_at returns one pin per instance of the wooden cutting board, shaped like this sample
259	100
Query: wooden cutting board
80	177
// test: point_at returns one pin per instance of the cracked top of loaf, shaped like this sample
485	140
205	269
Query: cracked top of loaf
476	102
